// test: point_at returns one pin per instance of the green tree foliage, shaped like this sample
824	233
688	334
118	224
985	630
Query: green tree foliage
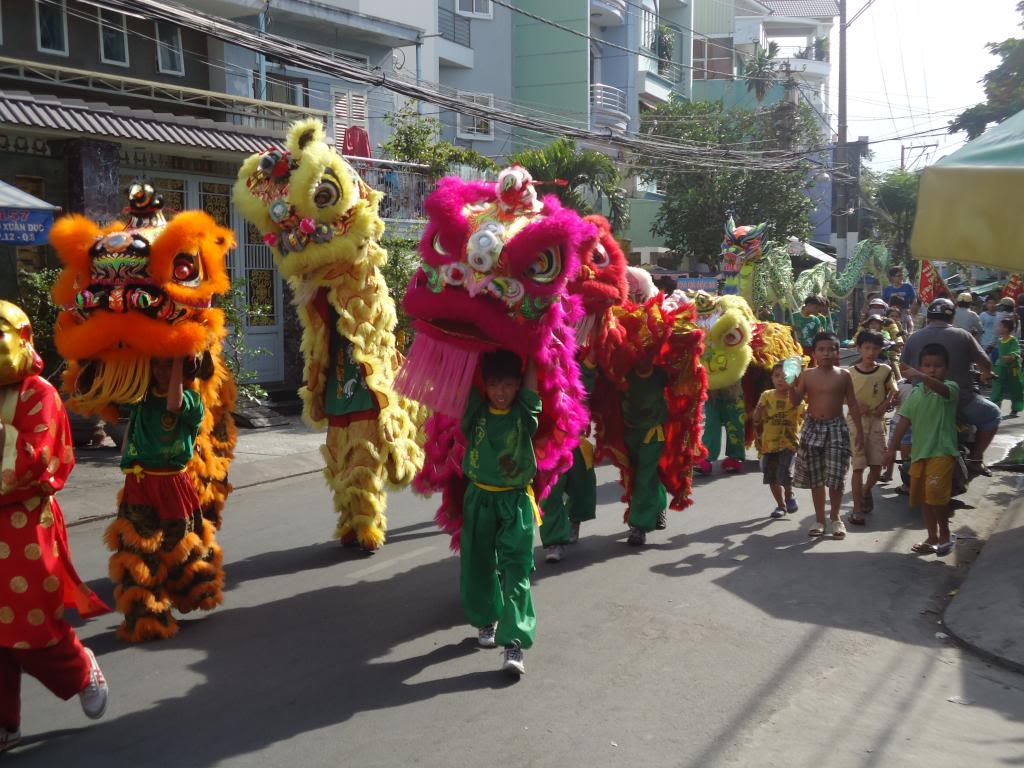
698	201
761	70
417	139
34	298
1004	89
587	175
895	193
403	261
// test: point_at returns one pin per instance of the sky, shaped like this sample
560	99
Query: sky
928	56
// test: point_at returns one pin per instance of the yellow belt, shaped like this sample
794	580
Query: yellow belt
654	432
141	472
529	492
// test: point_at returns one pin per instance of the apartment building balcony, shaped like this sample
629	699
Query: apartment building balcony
608	107
607	13
805	63
454	43
404	185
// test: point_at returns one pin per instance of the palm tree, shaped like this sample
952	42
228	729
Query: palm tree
760	70
576	176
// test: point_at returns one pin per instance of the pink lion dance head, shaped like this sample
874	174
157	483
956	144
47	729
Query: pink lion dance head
496	261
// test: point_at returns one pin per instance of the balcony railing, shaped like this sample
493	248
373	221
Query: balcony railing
608	97
664	42
453	27
404	186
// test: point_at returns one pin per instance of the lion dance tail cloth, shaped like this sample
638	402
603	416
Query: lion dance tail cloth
129	293
665	337
495	264
322	223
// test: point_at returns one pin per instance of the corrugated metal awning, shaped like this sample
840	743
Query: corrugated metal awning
807	8
126	124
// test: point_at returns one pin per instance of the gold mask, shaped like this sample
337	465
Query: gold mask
18	358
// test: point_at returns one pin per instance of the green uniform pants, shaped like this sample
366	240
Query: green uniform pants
572	500
649	497
724	410
1008	387
496	555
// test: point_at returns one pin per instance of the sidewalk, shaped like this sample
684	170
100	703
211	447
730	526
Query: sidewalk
261	456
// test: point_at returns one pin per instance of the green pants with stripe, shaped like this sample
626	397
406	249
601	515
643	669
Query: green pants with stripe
572	500
648	497
496	559
724	410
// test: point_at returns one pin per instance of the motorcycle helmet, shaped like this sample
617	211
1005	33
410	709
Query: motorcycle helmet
941	309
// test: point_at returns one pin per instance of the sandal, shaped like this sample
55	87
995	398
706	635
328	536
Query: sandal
944	549
903	491
868	503
856	518
817	530
923	548
838	529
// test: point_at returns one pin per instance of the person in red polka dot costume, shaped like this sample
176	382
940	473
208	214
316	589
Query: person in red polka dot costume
37	579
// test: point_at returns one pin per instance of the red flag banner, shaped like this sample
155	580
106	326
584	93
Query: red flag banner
1014	288
932	286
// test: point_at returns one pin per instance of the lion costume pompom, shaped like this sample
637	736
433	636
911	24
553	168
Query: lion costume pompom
322	222
131	292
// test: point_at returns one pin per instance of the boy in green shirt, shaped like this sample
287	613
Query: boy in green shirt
808	322
499	509
931	409
1007	383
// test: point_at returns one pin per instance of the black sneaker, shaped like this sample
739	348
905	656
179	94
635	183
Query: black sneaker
662	522
637	537
514	661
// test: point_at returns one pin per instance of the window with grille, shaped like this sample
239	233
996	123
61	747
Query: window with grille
349	110
170	58
52	27
480	9
282	89
113	37
474	127
713	59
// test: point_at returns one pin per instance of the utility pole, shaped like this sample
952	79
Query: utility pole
842	166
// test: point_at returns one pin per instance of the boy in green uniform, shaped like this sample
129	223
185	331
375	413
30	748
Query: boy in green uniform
499	509
573	500
931	409
644	411
1007	384
808	322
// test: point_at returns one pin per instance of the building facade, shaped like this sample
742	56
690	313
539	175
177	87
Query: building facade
91	99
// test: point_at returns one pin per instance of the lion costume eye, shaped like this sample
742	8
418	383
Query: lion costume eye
547	267
481	261
186	270
733	337
326	194
600	257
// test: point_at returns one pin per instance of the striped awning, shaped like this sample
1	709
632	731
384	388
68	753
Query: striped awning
808	8
80	118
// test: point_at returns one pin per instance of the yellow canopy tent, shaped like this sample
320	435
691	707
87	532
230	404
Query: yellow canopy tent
970	205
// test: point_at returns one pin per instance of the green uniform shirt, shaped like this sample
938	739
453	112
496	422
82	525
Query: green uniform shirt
807	328
643	403
160	439
499	449
933	419
346	390
1009	356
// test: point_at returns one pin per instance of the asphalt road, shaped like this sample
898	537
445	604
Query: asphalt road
730	639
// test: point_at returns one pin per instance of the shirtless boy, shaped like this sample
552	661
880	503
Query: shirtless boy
824	453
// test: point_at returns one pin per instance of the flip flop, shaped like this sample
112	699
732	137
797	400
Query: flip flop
856	519
944	549
923	548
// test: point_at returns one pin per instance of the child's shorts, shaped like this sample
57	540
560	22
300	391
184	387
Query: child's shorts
824	454
931	481
872	450
777	468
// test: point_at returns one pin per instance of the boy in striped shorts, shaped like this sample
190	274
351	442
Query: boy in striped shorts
823	456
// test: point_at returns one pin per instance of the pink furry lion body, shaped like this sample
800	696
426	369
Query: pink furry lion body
495	265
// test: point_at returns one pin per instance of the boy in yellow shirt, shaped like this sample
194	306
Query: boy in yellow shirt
778	421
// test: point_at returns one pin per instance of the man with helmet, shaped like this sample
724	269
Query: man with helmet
963	350
966	317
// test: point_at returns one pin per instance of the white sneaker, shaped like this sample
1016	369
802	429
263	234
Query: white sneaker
554	553
94	696
574	533
9	739
485	636
514	663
